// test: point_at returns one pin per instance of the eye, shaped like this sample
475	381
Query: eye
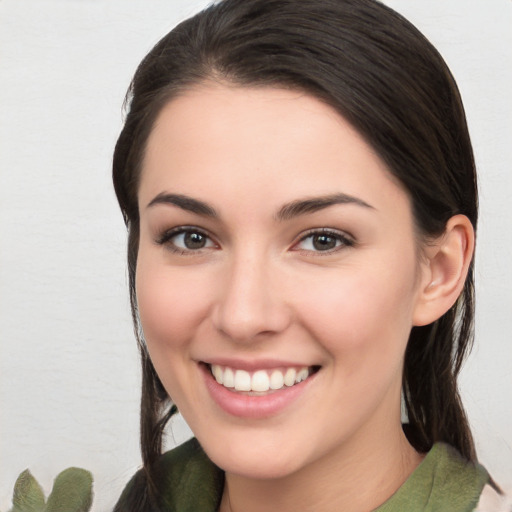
185	239
323	241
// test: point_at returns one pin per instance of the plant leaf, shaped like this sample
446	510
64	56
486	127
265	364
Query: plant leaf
28	495
72	492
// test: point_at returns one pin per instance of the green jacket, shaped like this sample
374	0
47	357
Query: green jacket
190	482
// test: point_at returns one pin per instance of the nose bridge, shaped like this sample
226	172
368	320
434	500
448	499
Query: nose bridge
249	303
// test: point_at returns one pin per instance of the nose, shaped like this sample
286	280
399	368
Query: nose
250	302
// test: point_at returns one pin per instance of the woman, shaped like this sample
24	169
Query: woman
299	187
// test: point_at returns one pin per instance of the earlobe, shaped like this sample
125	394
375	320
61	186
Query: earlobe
445	270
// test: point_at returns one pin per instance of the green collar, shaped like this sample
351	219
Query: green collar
443	482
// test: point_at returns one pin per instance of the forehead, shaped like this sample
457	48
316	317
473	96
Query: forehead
262	142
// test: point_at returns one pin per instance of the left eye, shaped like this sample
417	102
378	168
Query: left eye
191	240
187	240
323	242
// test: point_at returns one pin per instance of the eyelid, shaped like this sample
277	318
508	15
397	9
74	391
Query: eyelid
346	239
165	237
166	234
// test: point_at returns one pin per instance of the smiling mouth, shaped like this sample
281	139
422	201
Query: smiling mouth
260	381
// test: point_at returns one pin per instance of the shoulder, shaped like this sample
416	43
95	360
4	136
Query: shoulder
186	480
453	470
461	474
444	481
456	480
464	483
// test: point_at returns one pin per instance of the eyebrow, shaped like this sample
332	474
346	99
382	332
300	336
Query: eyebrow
185	203
286	212
314	204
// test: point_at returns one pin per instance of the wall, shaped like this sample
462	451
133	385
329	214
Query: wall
69	378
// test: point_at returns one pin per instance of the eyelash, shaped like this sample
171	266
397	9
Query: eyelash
166	239
341	240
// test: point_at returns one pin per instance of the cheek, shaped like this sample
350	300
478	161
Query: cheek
171	309
362	315
170	305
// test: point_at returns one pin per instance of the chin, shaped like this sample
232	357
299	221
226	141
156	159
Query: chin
253	454
264	467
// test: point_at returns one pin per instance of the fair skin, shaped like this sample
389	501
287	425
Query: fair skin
274	239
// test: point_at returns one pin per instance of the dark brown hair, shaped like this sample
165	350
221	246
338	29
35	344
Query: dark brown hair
383	76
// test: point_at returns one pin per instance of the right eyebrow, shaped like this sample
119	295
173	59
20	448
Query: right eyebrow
314	204
185	203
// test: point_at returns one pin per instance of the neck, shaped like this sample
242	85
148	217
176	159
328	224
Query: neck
358	477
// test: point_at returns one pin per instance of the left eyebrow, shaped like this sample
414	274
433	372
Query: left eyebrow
185	203
314	204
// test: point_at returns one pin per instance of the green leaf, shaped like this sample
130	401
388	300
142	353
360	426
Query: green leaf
28	495
72	492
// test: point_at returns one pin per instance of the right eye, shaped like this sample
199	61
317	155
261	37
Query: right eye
186	240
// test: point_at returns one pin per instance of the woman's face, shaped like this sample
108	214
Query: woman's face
274	248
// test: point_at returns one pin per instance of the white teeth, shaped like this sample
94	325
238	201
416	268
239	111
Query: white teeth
302	375
276	380
289	377
260	380
218	373
242	380
228	380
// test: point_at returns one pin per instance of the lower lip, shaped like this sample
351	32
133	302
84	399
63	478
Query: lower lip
250	406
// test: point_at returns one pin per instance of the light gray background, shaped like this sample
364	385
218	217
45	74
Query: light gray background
69	377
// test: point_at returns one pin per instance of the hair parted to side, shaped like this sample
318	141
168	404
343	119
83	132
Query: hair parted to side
383	76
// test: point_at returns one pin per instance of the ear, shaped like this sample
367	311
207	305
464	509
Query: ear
444	271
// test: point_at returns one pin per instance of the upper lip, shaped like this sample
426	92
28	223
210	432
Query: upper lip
254	364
